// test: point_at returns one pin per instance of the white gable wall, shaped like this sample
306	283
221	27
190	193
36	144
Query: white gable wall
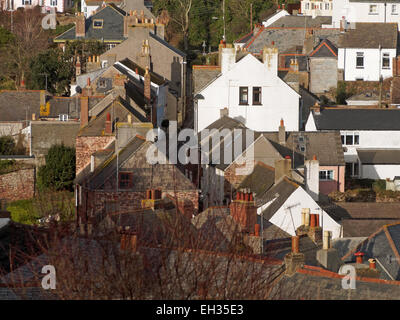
290	219
278	99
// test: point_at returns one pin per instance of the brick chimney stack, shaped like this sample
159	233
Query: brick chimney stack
282	133
84	111
108	129
244	211
78	69
80	25
147	86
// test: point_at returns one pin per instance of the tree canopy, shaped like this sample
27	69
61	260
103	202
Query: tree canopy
59	171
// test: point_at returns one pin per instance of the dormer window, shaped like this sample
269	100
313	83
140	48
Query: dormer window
98	23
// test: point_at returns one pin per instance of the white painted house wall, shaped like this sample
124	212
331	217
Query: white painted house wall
279	100
87	10
360	12
290	219
372	63
59	5
380	171
317	8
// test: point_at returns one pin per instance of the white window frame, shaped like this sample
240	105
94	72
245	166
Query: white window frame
307	6
360	55
370	11
53	3
63	117
328	174
386	55
394	9
353	135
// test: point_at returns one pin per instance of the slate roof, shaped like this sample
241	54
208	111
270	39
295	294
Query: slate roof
281	191
311	283
326	146
302	61
370	35
260	180
112	31
286	38
357	119
118	109
384	246
203	75
325	49
301	22
19	105
379	156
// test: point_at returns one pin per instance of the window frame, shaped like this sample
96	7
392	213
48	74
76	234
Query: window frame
259	102
394	12
242	102
355	136
373	12
360	55
98	20
122	181
328	175
386	56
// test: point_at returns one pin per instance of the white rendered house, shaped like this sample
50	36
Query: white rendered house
317	8
284	210
370	139
365	11
248	90
366	52
48	5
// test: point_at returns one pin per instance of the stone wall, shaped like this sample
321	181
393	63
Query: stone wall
18	184
323	74
86	146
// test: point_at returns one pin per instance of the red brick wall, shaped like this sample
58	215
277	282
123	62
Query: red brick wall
17	185
86	146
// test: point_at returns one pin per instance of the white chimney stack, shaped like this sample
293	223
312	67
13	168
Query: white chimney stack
270	59
311	177
228	59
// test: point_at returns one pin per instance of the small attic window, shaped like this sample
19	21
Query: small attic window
98	23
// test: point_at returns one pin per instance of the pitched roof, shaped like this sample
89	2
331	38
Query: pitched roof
20	105
379	156
203	75
127	63
112	30
357	119
395	90
326	146
370	35
278	194
384	246
287	38
260	180
324	49
291	21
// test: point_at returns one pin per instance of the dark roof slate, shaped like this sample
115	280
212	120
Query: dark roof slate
357	119
112	30
379	156
370	35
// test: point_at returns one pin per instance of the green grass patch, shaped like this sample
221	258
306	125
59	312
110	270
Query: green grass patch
44	205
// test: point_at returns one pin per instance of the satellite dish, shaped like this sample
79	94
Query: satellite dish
78	89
